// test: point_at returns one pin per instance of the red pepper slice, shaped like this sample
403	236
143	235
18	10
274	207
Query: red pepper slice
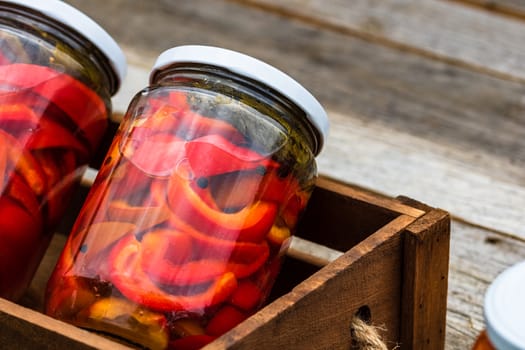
60	184
145	216
20	191
162	118
68	165
194	125
247	296
70	296
127	181
157	155
49	134
235	190
204	270
18	228
224	320
25	164
214	154
276	188
173	113
217	248
94	247
248	224
18	120
19	240
127	275
78	101
164	246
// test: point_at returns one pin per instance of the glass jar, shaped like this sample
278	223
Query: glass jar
184	229
504	311
58	71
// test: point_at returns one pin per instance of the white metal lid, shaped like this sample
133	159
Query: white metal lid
252	68
505	309
75	19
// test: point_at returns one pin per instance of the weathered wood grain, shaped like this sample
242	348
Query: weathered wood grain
426	249
405	91
515	8
374	265
477	256
32	330
475	187
442	30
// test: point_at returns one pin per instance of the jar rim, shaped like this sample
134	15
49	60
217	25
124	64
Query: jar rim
85	26
252	68
503	309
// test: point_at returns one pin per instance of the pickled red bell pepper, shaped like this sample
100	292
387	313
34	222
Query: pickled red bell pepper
82	105
133	282
71	296
203	270
224	320
248	224
49	134
92	250
247	296
174	113
20	191
214	154
25	164
170	150
18	120
160	246
20	233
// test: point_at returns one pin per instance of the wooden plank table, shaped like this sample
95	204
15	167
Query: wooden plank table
426	99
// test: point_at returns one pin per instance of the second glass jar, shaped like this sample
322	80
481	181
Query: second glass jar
58	72
183	232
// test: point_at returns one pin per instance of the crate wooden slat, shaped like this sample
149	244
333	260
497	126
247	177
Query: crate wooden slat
390	257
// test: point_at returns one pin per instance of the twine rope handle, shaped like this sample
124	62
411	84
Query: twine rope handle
365	336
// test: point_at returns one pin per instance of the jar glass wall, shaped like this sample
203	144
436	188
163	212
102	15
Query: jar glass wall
55	90
183	233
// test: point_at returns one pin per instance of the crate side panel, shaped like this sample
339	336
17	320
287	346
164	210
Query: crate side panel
340	222
317	313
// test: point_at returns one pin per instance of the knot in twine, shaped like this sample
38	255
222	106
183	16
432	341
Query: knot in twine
365	336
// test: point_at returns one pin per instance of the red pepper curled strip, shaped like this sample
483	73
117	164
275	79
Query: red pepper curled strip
157	155
204	270
224	320
214	154
77	100
26	165
248	224
173	112
17	119
132	281
50	134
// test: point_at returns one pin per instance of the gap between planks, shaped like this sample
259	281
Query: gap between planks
514	9
473	187
417	27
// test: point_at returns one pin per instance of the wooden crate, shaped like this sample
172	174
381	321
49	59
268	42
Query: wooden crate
355	252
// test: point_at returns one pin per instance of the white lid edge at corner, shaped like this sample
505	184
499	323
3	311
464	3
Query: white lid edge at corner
85	26
504	309
252	68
